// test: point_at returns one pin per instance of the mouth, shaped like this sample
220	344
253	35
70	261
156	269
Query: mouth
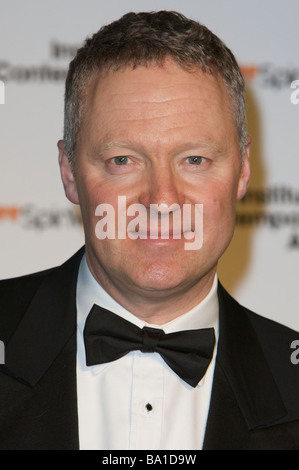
161	236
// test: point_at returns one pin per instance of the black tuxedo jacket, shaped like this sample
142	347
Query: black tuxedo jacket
255	395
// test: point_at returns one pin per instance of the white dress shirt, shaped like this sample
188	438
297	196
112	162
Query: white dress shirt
137	402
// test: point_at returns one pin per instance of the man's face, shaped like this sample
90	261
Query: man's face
157	135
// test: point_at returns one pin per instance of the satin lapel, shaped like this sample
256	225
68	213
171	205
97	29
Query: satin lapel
47	325
41	355
244	396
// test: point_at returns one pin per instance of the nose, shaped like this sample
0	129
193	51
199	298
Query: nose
162	187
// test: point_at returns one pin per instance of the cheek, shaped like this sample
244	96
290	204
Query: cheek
219	212
89	199
92	193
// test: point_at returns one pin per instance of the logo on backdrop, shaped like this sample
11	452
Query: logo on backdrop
32	217
275	208
45	72
271	76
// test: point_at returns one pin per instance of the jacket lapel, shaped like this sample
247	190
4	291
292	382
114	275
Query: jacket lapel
41	355
50	321
244	397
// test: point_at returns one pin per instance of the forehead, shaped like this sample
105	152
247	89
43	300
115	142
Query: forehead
157	99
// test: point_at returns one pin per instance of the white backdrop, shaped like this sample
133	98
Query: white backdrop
39	228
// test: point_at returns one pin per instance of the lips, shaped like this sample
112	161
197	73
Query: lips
176	235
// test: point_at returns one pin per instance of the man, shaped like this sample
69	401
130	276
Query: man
154	124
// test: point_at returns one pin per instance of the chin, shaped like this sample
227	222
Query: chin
159	280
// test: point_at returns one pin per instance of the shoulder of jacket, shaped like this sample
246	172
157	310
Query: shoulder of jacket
15	297
280	346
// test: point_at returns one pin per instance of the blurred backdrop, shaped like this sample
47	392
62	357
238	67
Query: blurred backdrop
39	228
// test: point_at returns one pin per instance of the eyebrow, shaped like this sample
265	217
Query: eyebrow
101	147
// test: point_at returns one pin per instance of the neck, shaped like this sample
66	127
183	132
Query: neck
153	306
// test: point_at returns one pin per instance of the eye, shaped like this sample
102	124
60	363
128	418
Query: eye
122	160
195	160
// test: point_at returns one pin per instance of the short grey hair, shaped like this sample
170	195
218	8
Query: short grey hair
142	39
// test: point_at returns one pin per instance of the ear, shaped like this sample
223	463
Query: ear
67	175
245	172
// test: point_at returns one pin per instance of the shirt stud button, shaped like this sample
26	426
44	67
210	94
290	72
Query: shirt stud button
149	407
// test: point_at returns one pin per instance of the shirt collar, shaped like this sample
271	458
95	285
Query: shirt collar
90	292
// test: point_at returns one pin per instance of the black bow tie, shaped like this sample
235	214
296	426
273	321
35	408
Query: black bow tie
108	337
